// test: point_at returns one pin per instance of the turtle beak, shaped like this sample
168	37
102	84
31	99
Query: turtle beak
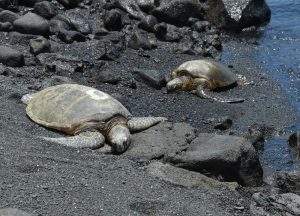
174	84
122	145
119	138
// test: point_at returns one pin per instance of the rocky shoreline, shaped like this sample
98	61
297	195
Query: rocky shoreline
203	161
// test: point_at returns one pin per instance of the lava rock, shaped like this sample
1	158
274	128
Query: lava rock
233	158
100	75
45	9
160	141
32	23
70	36
201	26
70	3
228	14
4	4
108	50
13	212
146	5
148	23
79	22
236	15
28	3
62	65
139	41
166	32
222	123
113	20
257	134
131	7
151	77
277	204
8	16
294	140
39	45
11	57
186	178
59	23
20	39
6	27
288	182
177	12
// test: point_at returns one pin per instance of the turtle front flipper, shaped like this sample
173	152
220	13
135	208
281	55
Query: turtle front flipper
91	140
142	123
203	92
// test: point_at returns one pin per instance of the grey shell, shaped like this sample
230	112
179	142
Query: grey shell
217	74
65	107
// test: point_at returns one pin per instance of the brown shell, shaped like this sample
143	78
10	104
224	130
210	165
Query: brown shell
65	107
217	74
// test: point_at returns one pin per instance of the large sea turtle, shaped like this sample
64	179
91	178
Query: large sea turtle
202	75
92	116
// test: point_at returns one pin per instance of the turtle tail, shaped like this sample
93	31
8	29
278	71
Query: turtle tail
141	123
91	140
202	92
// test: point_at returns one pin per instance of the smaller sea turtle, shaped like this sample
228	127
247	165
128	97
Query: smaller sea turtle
202	75
92	116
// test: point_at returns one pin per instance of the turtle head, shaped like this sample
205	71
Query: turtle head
119	138
174	84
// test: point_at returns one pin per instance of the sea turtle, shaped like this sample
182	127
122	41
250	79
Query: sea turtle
92	116
202	75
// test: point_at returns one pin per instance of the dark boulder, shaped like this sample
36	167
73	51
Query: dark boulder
151	77
60	23
11	57
28	3
32	23
20	39
8	16
229	157
264	204
6	27
39	45
70	3
177	12
113	20
236	15
70	36
167	32
228	14
139	41
294	140
288	182
147	5
5	4
45	9
148	23
79	22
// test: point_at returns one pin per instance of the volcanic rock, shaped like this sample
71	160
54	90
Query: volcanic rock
45	9
11	57
234	158
32	23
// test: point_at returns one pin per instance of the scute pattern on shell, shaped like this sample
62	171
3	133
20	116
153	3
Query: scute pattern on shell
64	107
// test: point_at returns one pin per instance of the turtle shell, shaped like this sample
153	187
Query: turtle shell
65	107
217	74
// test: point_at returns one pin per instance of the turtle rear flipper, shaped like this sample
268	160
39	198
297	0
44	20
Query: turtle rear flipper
141	123
91	140
203	92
